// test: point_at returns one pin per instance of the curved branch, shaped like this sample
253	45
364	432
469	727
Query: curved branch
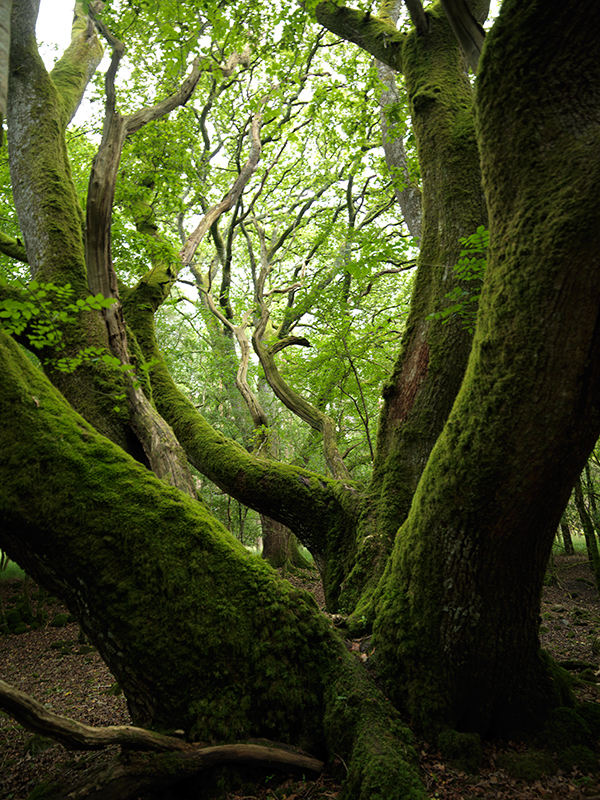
37	718
289	340
183	758
259	418
377	36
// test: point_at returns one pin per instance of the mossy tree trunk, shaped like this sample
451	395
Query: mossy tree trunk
200	634
433	356
567	539
457	631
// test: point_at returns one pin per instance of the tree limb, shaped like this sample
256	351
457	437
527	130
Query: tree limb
467	30
230	199
417	16
377	36
13	248
72	73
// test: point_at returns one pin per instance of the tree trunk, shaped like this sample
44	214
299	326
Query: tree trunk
199	634
457	633
567	540
280	546
589	533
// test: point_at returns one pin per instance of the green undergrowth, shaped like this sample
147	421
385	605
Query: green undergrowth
11	571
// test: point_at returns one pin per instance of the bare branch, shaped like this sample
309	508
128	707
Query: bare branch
122	778
230	199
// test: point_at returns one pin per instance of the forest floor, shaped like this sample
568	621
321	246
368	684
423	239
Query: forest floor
71	679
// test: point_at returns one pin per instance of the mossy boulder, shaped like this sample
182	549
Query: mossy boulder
462	749
580	757
529	766
60	620
565	727
21	628
37	744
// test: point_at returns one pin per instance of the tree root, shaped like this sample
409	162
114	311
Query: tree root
172	759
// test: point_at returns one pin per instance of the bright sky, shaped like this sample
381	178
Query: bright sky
54	26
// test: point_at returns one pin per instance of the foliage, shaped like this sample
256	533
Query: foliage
470	270
41	310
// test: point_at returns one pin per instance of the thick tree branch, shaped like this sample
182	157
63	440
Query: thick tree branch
72	73
12	248
302	500
467	30
377	36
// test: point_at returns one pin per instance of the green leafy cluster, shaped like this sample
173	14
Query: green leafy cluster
464	298
41	310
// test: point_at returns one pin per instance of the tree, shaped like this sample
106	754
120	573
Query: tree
445	550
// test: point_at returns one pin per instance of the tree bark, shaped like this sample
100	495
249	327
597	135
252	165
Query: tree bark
457	633
567	540
433	356
199	634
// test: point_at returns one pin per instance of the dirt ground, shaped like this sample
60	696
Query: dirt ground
70	678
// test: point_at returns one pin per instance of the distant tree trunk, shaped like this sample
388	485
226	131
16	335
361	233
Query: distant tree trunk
567	540
589	533
280	546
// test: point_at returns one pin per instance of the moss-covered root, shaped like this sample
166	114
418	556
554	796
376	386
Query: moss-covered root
367	734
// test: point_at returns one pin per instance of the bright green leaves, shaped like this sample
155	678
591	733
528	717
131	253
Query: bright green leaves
41	310
464	298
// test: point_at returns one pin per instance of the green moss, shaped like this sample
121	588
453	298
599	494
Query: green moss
367	735
462	749
38	744
59	620
565	727
590	713
578	757
529	766
44	791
